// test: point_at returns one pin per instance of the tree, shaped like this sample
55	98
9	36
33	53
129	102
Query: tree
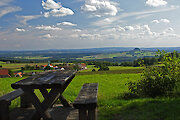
158	80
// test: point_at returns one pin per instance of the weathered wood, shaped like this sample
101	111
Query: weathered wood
92	114
12	95
5	101
87	101
4	110
25	101
87	96
37	104
64	101
44	92
83	114
57	81
52	79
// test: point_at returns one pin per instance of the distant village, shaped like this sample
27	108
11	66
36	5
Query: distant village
8	73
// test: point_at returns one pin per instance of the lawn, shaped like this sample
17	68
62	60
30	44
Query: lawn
111	106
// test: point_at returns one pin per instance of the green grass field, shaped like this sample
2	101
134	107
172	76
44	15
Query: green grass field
111	106
129	54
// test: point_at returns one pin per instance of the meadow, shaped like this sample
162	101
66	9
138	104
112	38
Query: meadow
111	105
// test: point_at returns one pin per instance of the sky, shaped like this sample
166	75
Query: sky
76	24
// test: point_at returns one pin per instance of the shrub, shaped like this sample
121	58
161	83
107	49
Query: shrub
93	70
158	81
103	67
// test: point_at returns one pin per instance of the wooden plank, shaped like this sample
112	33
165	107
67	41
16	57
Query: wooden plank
44	92
92	114
83	114
25	101
51	98
4	110
55	79
12	95
39	107
87	96
64	101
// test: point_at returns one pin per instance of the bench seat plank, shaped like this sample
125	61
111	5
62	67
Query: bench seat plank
87	96
12	95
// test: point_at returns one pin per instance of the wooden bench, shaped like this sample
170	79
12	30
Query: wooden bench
5	101
86	101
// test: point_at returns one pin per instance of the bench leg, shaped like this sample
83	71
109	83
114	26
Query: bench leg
25	101
82	114
92	114
4	110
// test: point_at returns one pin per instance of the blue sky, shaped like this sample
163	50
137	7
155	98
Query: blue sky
65	24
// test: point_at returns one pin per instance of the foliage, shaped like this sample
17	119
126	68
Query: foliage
158	81
48	68
10	72
126	64
103	67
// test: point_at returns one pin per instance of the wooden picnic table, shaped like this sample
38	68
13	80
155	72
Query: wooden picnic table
56	81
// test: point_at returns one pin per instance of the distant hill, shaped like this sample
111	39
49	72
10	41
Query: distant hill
113	54
96	50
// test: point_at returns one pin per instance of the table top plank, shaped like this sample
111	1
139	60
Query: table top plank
46	79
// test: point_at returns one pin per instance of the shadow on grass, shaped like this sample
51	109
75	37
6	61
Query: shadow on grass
144	109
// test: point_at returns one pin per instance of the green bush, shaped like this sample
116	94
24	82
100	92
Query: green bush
103	67
156	80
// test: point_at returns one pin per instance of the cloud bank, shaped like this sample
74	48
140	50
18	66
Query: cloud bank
156	3
55	9
99	8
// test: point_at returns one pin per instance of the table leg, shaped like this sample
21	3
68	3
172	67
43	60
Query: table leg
52	97
64	101
44	92
39	107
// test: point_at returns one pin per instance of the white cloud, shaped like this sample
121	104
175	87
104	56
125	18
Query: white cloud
55	9
6	10
165	20
42	27
5	2
131	28
155	21
67	24
90	36
20	30
99	8
59	12
119	19
25	19
77	30
46	36
50	4
161	21
156	3
119	28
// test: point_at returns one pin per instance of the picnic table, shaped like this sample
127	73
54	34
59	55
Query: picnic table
56	81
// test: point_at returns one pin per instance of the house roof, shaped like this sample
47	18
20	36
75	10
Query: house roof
4	72
83	64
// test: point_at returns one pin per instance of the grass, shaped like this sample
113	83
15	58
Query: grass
129	54
6	88
32	57
113	70
111	106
